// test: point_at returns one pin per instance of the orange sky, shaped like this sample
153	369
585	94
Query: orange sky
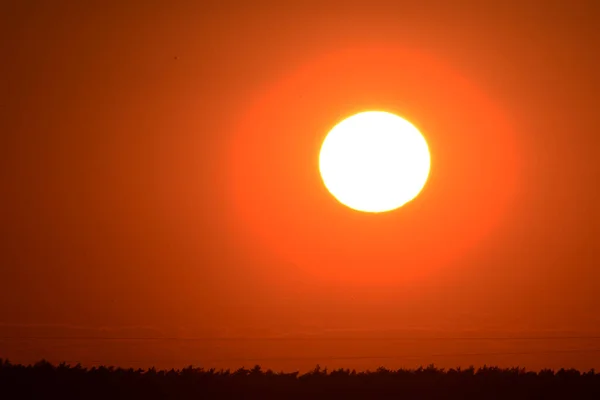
159	179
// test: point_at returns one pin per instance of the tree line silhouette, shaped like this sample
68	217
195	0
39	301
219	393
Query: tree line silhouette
45	380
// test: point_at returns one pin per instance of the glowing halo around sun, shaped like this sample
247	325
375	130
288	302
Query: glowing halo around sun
374	161
279	207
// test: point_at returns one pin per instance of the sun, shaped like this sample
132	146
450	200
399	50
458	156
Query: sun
374	161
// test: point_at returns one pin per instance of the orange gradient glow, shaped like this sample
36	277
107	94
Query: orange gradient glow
282	207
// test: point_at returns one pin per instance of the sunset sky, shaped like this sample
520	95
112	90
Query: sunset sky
161	204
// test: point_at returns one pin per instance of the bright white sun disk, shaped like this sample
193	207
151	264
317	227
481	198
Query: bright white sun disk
374	161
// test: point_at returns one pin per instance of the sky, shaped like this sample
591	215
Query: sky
160	202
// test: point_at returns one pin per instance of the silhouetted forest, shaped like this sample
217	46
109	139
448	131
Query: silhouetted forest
44	380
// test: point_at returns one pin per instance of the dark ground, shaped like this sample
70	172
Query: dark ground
44	380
